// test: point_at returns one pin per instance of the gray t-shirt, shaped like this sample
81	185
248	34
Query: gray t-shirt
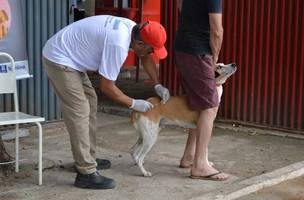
193	35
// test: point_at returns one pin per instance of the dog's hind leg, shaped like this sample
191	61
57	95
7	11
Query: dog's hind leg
147	144
148	131
137	146
136	149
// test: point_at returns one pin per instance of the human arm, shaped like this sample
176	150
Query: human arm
109	88
216	34
110	66
150	67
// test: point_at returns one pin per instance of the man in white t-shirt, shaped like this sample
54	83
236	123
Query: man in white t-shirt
98	43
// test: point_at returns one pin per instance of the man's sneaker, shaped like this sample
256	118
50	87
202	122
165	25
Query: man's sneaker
94	181
103	164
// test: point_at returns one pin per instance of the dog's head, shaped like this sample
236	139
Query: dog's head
222	72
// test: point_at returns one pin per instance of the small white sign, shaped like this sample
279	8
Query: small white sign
22	70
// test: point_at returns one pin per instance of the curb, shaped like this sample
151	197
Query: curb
257	131
256	183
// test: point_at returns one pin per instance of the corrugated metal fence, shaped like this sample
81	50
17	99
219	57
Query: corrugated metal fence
42	20
266	39
167	71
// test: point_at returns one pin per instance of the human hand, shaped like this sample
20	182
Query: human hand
141	105
162	92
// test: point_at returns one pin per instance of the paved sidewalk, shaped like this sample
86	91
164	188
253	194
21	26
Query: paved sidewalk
247	158
289	190
253	158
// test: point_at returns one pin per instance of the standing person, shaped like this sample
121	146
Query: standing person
197	45
98	43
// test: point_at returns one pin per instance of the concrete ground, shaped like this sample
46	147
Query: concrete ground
289	190
239	154
254	160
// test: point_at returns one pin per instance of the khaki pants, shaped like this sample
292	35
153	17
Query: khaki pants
78	103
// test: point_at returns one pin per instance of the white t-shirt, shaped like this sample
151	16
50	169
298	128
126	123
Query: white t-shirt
98	43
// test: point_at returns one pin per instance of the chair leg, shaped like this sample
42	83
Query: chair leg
17	148
40	154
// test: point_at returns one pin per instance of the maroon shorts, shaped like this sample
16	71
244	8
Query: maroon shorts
198	80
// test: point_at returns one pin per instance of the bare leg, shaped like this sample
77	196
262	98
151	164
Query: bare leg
187	159
201	166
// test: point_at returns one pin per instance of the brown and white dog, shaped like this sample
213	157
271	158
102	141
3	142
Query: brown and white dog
174	111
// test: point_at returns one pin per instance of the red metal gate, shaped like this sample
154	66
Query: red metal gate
266	39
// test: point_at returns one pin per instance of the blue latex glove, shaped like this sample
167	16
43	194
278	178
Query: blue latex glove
162	92
141	105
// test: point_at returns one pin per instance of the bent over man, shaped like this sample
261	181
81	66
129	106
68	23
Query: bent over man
98	43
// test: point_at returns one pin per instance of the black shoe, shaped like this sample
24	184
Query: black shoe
103	164
94	181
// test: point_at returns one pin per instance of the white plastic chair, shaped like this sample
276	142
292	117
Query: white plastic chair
8	86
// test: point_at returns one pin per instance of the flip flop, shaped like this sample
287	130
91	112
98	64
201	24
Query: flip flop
184	167
209	177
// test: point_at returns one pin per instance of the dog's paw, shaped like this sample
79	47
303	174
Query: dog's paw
147	174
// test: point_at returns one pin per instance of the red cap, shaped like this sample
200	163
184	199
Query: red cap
154	35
